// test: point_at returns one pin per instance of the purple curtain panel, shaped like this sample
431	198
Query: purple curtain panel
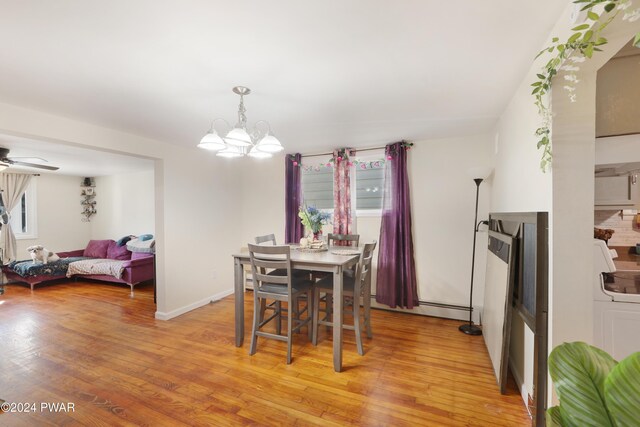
293	229
396	279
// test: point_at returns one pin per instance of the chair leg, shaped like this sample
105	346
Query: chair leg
263	308
256	321
316	315
356	324
279	316
289	331
310	308
367	311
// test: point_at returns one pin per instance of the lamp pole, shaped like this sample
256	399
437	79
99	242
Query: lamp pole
470	328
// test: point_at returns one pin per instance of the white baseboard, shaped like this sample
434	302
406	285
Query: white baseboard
182	310
444	312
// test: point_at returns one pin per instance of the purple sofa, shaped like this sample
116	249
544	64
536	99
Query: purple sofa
138	267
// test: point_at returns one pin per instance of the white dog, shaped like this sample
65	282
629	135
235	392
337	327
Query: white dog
40	253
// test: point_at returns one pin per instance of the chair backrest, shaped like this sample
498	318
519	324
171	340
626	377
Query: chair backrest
363	269
343	239
267	238
265	258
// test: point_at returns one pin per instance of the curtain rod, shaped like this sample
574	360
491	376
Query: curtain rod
357	151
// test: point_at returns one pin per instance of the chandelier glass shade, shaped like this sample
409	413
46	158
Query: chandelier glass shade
258	142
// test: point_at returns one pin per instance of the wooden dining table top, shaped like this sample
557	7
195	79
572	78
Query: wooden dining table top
326	257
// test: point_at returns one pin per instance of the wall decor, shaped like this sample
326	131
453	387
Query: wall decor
88	201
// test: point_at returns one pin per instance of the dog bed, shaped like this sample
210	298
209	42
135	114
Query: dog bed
55	268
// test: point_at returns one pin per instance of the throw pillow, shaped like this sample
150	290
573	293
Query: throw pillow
144	237
97	248
124	240
118	252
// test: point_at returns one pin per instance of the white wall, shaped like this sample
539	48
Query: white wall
617	96
573	188
59	223
520	186
201	226
197	204
443	202
566	192
262	194
617	149
125	205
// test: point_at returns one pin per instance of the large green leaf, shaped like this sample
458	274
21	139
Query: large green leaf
553	417
579	371
622	392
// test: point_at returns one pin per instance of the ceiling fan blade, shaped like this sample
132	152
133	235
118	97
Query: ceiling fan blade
31	165
29	159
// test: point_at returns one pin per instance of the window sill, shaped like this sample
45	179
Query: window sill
26	236
368	213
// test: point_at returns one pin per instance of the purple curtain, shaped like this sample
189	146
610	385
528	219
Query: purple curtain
396	280
342	215
293	229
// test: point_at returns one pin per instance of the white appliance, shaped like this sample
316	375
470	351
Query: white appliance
616	313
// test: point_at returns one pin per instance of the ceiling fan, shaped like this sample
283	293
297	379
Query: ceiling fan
8	161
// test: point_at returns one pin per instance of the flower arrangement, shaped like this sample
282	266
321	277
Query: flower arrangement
313	219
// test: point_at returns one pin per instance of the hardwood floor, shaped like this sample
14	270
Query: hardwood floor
91	345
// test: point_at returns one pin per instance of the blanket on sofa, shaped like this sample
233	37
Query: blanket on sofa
29	269
108	267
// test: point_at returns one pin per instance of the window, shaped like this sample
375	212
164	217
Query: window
367	184
23	216
317	186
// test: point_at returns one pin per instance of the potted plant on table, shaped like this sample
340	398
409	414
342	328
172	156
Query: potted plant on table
313	219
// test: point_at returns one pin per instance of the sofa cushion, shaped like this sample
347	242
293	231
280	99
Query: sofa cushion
138	255
118	252
97	248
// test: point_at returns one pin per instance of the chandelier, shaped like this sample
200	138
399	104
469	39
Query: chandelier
257	142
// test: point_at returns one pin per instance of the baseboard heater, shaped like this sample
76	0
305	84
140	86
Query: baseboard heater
439	305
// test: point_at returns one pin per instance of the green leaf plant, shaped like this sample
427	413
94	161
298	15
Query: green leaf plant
585	40
593	389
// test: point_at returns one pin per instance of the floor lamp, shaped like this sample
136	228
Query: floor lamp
479	175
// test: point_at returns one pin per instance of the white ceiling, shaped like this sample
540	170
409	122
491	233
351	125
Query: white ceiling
323	73
71	160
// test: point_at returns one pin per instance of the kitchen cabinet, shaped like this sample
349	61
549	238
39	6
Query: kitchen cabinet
617	192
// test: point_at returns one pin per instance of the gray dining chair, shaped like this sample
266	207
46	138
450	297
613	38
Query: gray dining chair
353	287
351	240
343	239
270	239
267	238
278	288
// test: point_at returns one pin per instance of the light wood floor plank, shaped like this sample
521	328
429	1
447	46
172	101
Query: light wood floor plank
92	345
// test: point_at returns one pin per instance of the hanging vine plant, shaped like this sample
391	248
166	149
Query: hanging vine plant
584	41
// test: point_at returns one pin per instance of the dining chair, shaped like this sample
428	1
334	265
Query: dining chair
353	287
270	239
267	238
278	288
351	240
343	239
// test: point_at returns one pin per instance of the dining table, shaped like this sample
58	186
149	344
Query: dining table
331	261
